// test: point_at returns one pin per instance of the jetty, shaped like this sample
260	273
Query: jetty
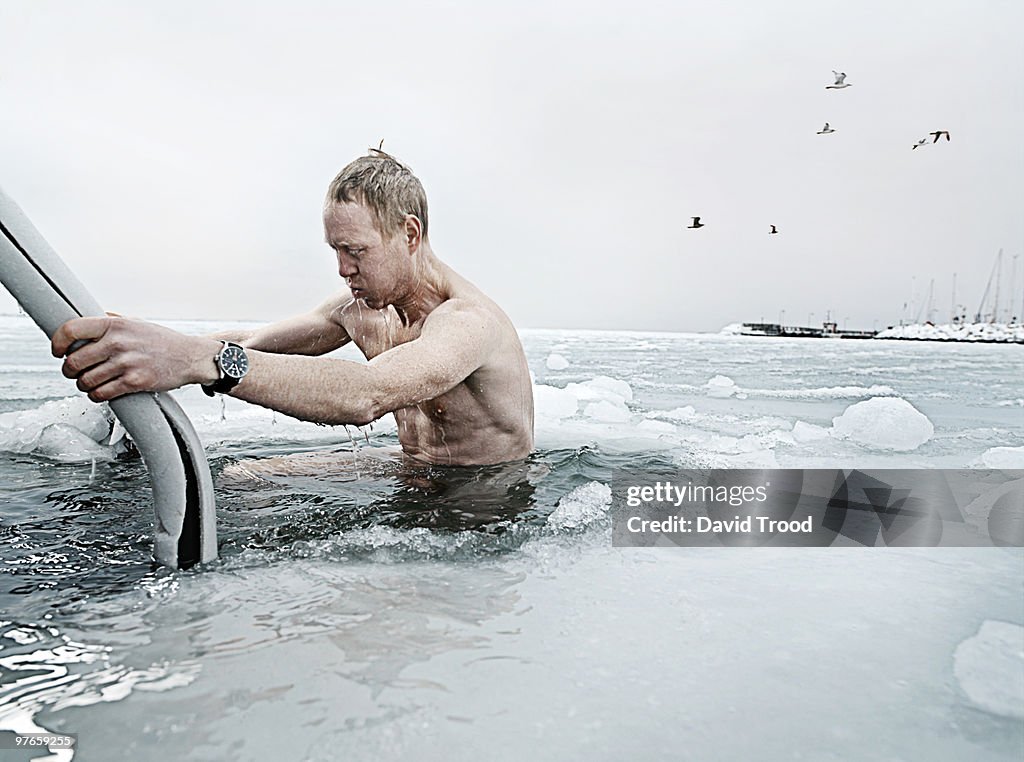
828	330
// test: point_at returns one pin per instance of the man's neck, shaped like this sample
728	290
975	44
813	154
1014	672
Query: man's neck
431	287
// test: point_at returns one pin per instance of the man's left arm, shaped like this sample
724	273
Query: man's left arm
455	342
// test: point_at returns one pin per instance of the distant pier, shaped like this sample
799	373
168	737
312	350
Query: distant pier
827	331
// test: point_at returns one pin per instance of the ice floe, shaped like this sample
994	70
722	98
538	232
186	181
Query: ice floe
556	362
71	430
989	667
884	423
1003	457
721	386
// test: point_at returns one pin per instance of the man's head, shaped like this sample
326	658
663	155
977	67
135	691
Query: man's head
375	219
383	185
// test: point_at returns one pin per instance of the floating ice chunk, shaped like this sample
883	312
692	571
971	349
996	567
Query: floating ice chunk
657	427
609	412
69	430
556	362
552	402
602	388
809	432
1003	457
613	385
721	386
884	423
990	668
65	443
684	413
584	505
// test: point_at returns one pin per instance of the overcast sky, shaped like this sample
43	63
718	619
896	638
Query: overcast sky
176	154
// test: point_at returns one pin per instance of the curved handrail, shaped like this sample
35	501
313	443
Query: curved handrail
185	530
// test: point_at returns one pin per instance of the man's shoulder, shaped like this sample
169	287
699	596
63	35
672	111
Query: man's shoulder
466	324
462	311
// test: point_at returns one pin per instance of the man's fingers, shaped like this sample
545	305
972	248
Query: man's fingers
96	377
110	390
79	329
88	356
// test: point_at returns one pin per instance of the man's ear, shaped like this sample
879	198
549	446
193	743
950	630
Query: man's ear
413	232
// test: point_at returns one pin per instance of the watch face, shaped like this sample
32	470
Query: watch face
234	362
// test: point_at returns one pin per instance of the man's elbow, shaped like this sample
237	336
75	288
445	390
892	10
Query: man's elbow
350	413
376	406
366	411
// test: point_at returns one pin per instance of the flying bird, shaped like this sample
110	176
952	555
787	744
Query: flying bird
938	134
825	130
919	143
773	231
695	224
840	82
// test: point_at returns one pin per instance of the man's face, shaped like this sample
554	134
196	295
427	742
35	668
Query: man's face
375	268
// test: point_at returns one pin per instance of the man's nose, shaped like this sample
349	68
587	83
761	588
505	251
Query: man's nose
346	267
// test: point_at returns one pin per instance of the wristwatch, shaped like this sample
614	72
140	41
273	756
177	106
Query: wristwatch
233	364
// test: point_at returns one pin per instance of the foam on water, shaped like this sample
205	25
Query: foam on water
582	507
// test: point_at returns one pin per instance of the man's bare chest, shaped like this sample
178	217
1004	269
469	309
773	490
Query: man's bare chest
376	334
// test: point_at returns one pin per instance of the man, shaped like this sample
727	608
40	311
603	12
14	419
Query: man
443	357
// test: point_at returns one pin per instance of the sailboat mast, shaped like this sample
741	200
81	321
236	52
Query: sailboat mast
999	277
979	316
952	303
1010	313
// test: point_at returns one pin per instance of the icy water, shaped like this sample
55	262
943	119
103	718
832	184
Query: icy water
363	610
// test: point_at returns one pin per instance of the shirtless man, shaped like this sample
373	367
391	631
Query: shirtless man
443	357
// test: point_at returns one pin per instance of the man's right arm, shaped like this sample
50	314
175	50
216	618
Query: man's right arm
313	333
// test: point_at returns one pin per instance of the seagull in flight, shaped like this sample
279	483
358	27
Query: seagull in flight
938	134
773	231
840	82
825	130
695	224
919	143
